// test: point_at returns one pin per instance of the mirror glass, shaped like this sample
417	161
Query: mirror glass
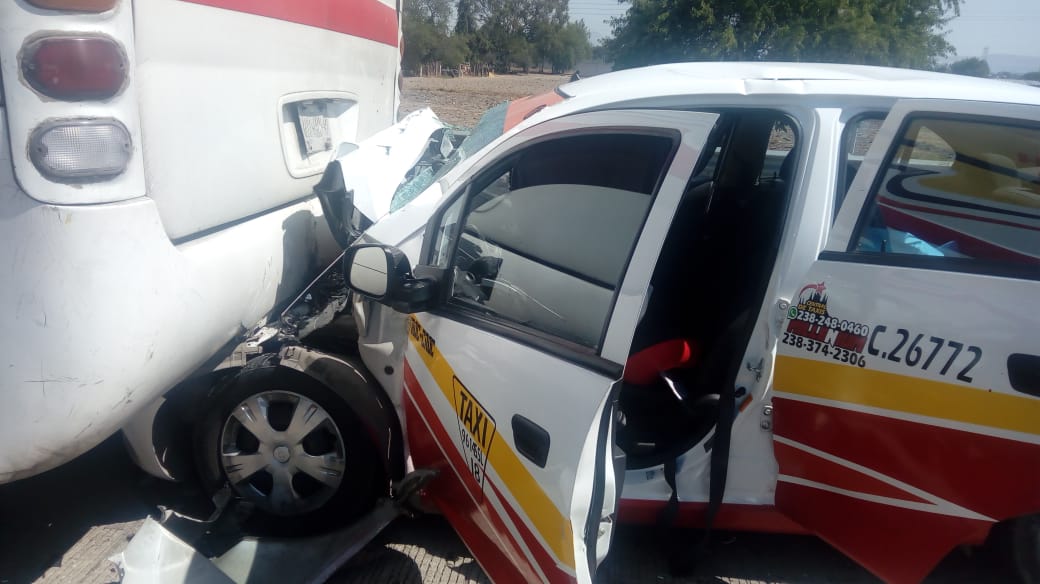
369	271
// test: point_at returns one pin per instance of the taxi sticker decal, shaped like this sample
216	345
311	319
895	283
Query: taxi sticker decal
811	327
476	430
922	351
422	338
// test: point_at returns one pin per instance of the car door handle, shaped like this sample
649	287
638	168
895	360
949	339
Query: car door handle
1024	373
531	440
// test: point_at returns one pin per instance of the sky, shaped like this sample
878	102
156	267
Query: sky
1005	26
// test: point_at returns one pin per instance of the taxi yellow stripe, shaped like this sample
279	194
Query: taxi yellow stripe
903	393
555	529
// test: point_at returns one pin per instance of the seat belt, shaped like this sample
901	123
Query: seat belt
719	458
670	513
681	564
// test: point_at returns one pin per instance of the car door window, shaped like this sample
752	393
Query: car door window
781	143
546	236
966	191
859	134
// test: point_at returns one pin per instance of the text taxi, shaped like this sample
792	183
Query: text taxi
788	298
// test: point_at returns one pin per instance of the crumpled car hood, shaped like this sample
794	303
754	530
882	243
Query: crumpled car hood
375	169
366	182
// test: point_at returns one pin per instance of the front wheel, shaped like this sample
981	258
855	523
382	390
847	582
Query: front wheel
291	447
1025	548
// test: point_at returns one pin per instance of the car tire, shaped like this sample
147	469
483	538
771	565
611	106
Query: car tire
290	446
1025	548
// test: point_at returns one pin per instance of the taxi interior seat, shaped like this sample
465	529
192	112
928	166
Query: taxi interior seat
663	353
975	175
712	272
741	236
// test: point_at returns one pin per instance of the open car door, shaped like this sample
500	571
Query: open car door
907	399
539	260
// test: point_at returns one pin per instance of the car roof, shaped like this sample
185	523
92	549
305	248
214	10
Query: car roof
768	78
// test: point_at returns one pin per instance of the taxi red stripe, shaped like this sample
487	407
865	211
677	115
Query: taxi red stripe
801	464
436	437
996	477
368	19
544	559
731	517
478	524
896	544
456	504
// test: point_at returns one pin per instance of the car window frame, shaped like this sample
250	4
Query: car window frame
840	190
976	266
582	355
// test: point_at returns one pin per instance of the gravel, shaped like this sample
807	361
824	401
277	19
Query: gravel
462	100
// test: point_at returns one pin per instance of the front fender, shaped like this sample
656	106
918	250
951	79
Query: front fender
350	381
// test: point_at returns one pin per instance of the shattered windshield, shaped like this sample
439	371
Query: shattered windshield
426	173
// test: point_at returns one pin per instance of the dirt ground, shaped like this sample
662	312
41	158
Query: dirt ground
462	100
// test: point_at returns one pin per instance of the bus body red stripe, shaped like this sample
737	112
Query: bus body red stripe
368	19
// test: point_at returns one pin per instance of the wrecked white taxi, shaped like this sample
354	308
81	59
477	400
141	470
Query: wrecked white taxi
766	297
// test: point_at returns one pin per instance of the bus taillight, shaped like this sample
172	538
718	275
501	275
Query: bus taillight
75	5
75	68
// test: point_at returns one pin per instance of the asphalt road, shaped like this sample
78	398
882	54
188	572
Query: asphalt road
60	527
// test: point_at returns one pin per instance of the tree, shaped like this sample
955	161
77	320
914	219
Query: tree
544	27
420	42
878	32
466	17
452	51
426	28
512	32
568	46
501	33
435	12
972	66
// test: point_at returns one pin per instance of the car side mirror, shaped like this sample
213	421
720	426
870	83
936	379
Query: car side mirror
383	273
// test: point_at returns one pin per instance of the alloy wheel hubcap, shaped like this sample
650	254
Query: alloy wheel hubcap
283	452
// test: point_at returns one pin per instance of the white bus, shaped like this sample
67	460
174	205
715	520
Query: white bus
157	160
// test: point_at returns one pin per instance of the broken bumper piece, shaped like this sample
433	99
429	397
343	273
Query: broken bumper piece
156	555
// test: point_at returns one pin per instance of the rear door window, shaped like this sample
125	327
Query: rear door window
960	189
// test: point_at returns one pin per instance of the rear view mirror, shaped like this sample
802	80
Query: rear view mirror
383	273
370	271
